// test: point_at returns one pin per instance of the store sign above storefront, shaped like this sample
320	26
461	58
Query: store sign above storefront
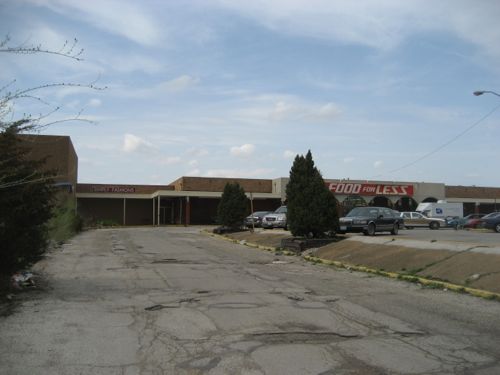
113	189
351	188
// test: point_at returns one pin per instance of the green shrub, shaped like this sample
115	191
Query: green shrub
65	222
233	206
312	208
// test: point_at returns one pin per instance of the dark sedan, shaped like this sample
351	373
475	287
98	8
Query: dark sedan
369	220
490	221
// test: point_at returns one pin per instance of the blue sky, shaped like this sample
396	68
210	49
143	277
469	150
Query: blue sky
232	88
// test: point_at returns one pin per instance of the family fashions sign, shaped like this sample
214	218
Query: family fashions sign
113	189
353	188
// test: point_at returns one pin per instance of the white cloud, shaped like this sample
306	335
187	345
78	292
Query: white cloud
169	160
179	84
193	163
132	63
243	150
289	154
256	173
380	24
194	173
328	111
378	164
197	152
285	108
175	85
126	19
133	143
348	159
94	102
282	110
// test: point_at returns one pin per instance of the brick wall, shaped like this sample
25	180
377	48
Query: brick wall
472	192
59	153
218	184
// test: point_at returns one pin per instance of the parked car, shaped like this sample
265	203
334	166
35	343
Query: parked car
276	219
416	219
469	221
490	221
369	220
401	221
455	222
255	218
473	220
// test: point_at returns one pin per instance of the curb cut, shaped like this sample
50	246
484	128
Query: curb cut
393	275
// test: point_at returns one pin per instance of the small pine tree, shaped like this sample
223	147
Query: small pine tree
312	208
233	206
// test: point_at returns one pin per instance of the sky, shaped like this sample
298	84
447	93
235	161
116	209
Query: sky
376	89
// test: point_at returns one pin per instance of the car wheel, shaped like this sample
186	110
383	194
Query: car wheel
434	225
497	228
370	231
395	229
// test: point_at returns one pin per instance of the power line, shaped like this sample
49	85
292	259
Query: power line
444	144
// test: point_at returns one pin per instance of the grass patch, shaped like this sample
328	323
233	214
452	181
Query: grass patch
65	222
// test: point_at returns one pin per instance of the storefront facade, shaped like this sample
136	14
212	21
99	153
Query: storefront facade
194	200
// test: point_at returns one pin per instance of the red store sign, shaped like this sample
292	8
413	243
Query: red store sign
350	188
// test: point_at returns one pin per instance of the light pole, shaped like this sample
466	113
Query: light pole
479	93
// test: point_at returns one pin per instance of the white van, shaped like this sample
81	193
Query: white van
441	209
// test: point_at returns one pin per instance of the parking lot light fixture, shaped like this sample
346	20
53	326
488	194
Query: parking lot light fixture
478	93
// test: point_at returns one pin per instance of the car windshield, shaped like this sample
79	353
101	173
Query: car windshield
281	210
363	211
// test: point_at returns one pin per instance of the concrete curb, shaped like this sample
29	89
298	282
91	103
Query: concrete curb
411	278
249	244
393	275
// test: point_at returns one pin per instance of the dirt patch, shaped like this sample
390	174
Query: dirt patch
472	269
476	270
383	257
481	271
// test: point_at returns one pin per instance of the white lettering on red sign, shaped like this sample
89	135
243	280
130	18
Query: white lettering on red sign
349	188
113	189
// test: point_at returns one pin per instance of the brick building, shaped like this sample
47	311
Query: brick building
194	200
60	157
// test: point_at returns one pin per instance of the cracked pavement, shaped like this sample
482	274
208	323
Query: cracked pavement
173	301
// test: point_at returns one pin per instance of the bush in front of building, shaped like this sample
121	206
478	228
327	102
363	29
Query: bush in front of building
312	208
26	203
65	222
233	207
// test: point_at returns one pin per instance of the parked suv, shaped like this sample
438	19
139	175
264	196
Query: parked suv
276	219
369	220
416	219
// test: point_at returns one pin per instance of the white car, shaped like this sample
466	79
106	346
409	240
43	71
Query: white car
416	219
276	219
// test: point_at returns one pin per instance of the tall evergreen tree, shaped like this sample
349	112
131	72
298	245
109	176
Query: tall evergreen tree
312	208
233	206
26	196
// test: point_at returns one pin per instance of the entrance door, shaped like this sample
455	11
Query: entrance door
167	212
